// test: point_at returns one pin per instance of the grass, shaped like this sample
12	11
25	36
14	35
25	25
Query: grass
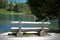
4	11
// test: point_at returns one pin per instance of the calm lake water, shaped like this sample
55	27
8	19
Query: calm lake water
5	21
4	26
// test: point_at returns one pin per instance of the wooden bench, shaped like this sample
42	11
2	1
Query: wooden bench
28	29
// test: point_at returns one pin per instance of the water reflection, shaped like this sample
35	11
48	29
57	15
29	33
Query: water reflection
4	26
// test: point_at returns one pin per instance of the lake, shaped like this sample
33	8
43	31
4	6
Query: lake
6	18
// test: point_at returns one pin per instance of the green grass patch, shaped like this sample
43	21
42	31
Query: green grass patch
4	11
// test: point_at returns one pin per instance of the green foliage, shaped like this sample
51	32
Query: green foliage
3	3
3	11
14	6
43	8
19	7
11	6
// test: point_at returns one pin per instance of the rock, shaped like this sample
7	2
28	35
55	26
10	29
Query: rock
42	33
19	34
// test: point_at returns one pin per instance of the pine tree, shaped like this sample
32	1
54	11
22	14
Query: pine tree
11	6
19	7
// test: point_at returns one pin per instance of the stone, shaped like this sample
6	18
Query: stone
19	33
42	33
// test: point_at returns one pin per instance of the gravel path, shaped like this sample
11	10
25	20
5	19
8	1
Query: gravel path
29	38
56	37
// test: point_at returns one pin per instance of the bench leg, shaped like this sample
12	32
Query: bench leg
19	34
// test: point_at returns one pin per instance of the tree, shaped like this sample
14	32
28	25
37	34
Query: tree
11	6
15	6
26	8
3	3
19	7
45	9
